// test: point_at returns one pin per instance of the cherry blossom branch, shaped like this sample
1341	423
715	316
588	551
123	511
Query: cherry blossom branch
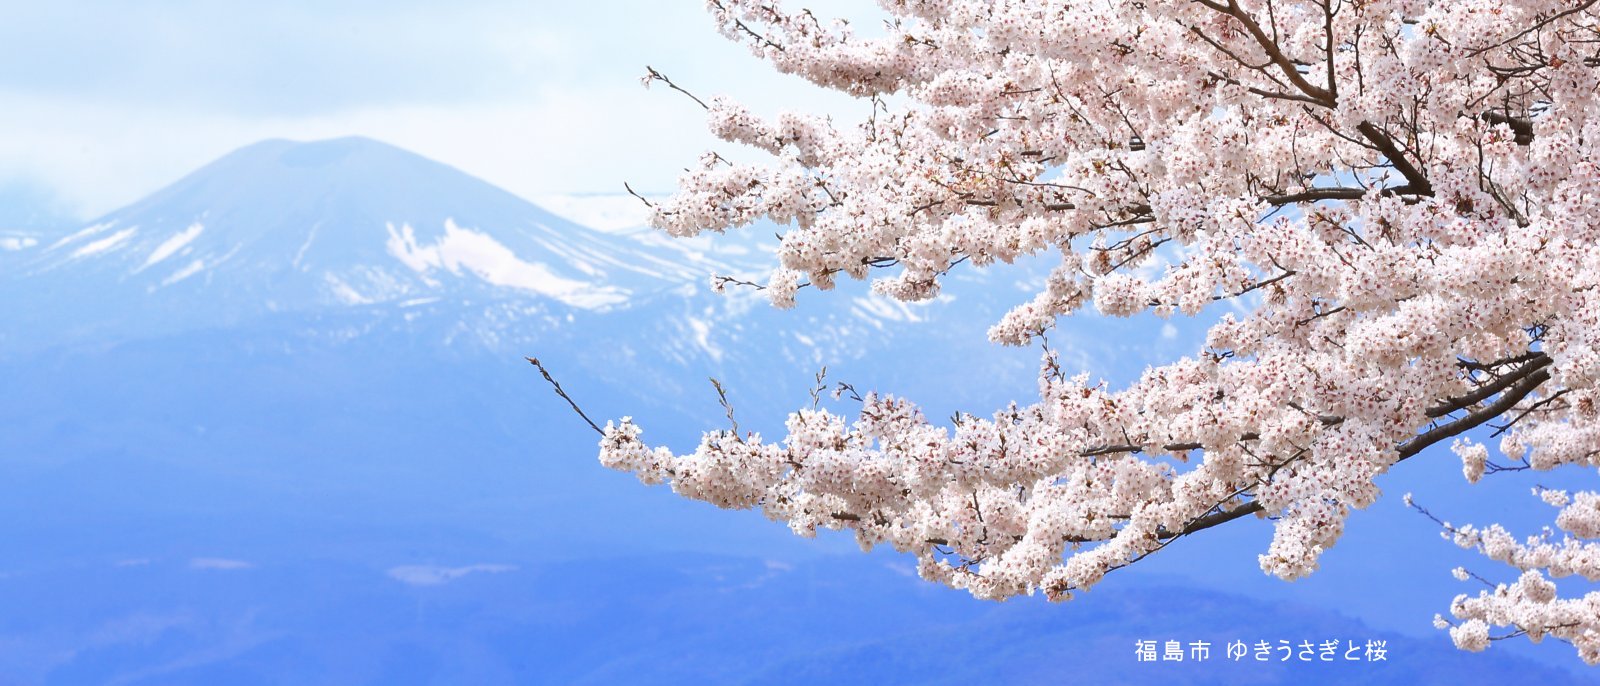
1441	262
1274	52
1507	400
1534	362
1537	25
1517	387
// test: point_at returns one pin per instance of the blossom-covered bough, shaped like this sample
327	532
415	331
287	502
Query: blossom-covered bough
1403	195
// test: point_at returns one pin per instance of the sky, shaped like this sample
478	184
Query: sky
108	101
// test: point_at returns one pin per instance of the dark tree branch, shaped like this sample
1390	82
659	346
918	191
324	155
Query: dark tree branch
1274	53
1521	128
1380	138
1527	378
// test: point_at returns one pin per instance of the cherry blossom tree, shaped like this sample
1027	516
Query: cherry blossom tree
1403	196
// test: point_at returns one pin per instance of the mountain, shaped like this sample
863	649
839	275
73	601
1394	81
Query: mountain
282	226
350	221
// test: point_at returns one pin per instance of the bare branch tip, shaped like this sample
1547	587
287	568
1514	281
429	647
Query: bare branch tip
563	394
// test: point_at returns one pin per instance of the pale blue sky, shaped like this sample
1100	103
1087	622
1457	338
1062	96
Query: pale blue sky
107	101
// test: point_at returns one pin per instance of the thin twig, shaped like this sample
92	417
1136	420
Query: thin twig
658	76
635	194
557	385
722	397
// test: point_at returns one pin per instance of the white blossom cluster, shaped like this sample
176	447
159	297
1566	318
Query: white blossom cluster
1531	606
1404	195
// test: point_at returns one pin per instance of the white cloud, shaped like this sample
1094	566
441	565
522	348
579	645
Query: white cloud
562	110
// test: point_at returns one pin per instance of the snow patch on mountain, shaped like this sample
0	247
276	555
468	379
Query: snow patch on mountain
479	253
85	232
16	243
184	272
172	245
105	244
702	337
311	237
345	293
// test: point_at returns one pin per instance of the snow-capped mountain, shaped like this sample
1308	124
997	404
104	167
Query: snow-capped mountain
280	226
352	221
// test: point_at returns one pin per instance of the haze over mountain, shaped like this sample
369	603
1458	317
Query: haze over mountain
27	207
272	424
